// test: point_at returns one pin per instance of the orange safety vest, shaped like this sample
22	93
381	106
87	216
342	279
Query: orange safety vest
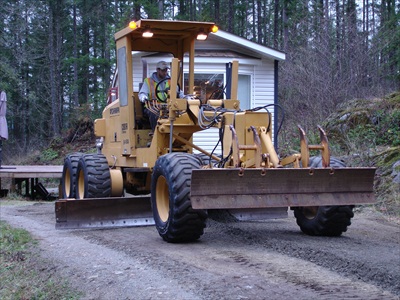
152	88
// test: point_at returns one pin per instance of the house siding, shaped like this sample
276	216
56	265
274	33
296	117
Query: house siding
137	74
264	85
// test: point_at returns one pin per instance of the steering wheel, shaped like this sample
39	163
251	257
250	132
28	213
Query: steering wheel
162	95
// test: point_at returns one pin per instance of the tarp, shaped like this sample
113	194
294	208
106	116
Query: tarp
3	121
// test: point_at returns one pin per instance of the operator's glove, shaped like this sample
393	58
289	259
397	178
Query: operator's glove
143	98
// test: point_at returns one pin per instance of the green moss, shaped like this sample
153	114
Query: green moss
387	158
394	99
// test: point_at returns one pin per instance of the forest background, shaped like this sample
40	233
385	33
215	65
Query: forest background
58	56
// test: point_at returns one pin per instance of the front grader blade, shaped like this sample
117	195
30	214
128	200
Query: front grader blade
103	213
280	187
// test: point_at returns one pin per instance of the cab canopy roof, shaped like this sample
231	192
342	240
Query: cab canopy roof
166	36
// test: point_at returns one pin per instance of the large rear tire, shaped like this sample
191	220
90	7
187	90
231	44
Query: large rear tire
205	159
68	180
324	220
93	177
175	219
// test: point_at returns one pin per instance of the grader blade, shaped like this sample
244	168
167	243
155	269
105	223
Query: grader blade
103	213
279	187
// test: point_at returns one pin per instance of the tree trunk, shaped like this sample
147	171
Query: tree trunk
231	16
52	68
276	23
84	91
259	23
216	12
75	59
285	26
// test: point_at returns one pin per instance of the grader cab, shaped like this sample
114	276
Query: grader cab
139	177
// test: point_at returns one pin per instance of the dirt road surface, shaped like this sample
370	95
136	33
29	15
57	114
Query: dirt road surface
232	260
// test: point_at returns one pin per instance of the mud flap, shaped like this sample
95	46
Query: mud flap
280	187
103	212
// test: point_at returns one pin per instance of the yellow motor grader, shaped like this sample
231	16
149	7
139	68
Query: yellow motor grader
185	182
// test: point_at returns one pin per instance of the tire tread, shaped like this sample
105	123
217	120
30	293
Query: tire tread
329	220
184	223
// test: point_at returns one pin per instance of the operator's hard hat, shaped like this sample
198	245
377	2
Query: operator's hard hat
162	65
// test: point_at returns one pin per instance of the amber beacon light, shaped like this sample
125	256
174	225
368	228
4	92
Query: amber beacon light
132	25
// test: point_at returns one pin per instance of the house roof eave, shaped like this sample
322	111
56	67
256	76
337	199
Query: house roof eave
264	51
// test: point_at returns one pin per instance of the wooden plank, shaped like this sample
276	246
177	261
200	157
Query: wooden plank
51	171
29	174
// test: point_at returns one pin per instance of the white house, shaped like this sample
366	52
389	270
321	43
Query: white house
258	73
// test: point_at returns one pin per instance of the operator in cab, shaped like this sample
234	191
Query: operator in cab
147	93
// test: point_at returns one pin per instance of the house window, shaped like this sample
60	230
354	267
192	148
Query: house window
244	91
211	86
206	85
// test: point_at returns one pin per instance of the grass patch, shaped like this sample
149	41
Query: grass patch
25	275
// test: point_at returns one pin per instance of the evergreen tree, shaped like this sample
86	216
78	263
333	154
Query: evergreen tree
58	56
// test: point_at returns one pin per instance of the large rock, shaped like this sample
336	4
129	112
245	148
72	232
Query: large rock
396	172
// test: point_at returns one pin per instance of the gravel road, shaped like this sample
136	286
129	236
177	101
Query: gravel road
232	260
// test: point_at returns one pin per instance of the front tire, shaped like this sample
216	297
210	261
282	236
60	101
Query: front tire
68	180
93	177
176	220
324	220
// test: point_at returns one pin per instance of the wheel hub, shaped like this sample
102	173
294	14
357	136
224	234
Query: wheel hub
162	199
